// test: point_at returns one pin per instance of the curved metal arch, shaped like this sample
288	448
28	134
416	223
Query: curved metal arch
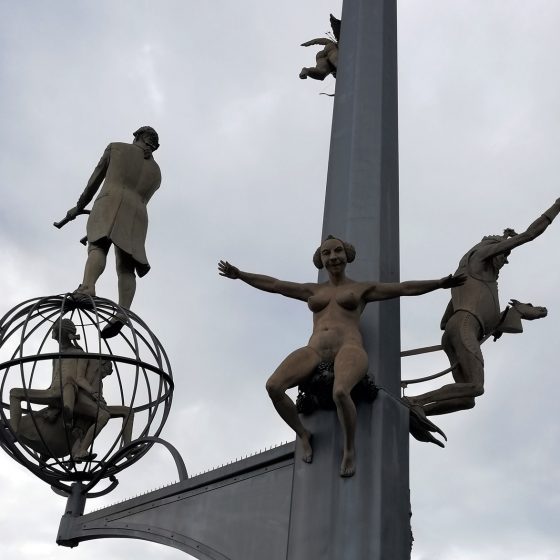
147	441
146	533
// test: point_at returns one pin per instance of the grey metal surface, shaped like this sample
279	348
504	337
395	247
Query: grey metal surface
237	512
365	517
362	198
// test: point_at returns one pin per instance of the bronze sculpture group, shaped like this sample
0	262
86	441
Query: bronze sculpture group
128	176
336	306
76	411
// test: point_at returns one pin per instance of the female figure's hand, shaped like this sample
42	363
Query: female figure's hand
228	270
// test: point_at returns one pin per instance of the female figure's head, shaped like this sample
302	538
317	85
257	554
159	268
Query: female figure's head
333	252
64	331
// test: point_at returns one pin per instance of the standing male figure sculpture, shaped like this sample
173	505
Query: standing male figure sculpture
472	313
119	216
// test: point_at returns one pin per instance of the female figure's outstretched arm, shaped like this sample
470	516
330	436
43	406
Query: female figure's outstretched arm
267	283
386	290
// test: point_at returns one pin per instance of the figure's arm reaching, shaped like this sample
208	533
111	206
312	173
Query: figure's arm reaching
266	283
532	232
387	290
318	41
93	184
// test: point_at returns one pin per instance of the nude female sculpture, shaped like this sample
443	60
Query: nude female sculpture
336	305
472	313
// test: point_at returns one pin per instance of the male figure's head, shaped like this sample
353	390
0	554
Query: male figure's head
502	259
148	136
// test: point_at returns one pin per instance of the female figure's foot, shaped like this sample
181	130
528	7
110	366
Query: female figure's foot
307	450
348	465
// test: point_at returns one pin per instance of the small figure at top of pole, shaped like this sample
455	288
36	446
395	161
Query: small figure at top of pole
327	58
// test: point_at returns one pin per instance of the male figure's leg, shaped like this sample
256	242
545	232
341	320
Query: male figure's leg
461	342
127	288
126	277
95	265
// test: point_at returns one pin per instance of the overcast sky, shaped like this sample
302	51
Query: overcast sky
244	150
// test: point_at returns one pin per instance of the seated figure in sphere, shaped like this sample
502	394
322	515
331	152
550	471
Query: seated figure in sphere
64	386
76	410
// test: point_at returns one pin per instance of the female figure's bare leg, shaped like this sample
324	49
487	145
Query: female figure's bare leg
350	366
297	367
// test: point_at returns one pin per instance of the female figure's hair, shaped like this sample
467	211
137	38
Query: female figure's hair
348	249
67	327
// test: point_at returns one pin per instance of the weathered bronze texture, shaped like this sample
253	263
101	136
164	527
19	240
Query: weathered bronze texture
336	306
119	217
474	313
56	432
326	60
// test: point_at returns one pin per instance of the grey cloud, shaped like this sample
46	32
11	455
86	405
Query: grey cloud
244	148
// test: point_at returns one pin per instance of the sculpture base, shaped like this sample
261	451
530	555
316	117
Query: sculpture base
363	517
